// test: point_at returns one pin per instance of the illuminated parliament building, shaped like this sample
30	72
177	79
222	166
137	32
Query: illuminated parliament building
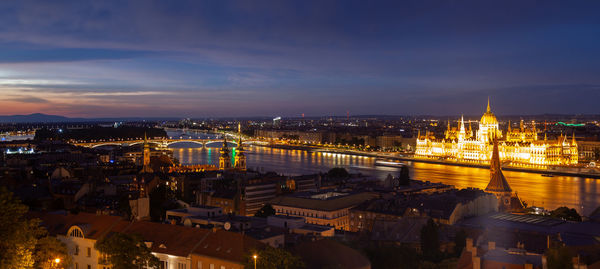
516	146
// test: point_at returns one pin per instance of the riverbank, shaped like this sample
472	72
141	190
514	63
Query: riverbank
403	158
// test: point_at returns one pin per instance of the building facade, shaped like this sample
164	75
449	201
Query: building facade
517	146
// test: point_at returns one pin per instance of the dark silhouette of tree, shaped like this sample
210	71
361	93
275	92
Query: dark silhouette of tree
47	250
565	213
460	241
23	243
392	257
430	242
338	173
127	251
559	258
161	199
265	211
404	179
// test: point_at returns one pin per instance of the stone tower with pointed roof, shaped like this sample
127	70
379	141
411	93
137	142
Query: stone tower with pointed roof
146	158
498	184
240	157
225	158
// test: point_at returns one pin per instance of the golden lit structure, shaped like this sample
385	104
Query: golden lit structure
519	146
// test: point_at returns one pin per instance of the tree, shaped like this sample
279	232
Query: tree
127	251
565	213
559	258
460	241
161	199
18	235
265	211
404	179
274	258
338	172
23	243
430	241
47	250
392	257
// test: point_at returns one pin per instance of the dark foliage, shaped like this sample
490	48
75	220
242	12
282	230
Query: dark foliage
265	211
127	251
430	242
392	257
161	199
559	258
565	213
460	241
338	173
404	179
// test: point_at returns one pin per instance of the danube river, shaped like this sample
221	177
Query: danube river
582	194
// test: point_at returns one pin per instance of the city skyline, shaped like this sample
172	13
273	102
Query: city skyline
233	59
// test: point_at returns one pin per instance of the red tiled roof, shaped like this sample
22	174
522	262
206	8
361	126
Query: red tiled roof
227	245
93	226
168	239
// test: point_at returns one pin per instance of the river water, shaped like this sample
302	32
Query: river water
583	194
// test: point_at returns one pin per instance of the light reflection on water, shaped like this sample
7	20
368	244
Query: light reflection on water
582	194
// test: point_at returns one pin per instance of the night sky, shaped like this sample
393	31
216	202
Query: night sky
269	58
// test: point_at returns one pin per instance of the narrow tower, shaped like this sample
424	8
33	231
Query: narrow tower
146	157
498	184
224	159
240	158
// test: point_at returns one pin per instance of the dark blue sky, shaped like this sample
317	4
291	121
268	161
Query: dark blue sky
242	58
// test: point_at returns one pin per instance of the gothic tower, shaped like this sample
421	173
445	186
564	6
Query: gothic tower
240	158
498	184
224	159
146	157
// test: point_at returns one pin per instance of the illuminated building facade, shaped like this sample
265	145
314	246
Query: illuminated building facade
518	146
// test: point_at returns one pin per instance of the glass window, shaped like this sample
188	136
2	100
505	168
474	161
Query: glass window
89	252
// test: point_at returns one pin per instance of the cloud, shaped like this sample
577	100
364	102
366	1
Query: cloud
18	55
29	99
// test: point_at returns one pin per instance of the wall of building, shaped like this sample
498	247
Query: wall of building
173	262
78	248
205	262
338	218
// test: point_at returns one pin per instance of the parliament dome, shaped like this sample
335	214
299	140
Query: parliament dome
488	117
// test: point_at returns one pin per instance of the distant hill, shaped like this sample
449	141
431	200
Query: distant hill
45	118
36	117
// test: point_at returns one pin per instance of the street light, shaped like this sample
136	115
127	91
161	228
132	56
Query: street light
56	262
254	260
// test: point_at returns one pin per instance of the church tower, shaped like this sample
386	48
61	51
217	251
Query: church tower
240	158
225	159
498	184
146	157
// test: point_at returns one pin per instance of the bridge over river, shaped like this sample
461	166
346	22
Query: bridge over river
164	142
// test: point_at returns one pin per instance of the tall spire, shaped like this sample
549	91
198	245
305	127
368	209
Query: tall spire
509	128
498	183
573	142
462	124
240	158
488	106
